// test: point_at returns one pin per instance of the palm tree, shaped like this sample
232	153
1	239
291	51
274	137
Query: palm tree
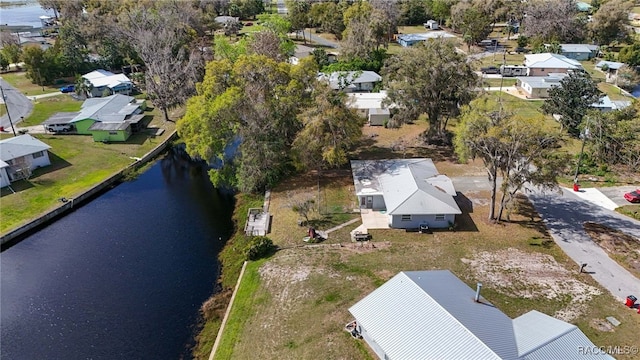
82	87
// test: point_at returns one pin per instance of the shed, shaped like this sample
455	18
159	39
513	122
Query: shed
431	25
379	116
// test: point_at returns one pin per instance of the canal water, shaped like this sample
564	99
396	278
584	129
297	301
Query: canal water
22	12
121	277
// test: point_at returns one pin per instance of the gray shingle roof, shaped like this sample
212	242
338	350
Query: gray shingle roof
19	146
338	78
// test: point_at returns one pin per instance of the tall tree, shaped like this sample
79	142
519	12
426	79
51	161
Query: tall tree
572	99
630	54
610	22
298	16
432	78
164	38
614	137
518	149
554	20
413	12
328	17
358	41
472	21
254	101
330	128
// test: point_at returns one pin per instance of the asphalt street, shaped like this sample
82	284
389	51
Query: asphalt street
19	105
564	215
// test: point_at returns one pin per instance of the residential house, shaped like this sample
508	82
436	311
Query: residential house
537	87
580	52
431	25
369	105
606	104
101	81
610	69
583	6
112	118
350	81
19	156
407	40
434	315
411	192
547	63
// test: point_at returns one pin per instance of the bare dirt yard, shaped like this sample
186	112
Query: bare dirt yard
301	304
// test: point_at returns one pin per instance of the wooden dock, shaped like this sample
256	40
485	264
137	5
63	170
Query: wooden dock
258	222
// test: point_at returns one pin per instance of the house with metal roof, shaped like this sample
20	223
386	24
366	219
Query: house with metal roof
606	104
579	52
112	118
610	66
546	63
101	81
407	40
19	156
434	315
537	87
352	81
369	105
410	192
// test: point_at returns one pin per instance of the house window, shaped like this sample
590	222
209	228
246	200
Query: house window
38	154
405	218
439	217
113	133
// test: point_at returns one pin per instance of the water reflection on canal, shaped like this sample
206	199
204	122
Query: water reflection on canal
121	277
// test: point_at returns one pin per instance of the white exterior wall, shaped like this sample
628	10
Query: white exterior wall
40	161
376	201
372	343
417	220
378	119
4	178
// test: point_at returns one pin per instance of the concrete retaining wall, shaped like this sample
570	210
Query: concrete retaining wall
81	198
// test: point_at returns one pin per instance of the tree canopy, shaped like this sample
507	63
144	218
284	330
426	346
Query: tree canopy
432	78
572	99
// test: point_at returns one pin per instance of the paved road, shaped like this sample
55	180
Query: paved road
564	215
322	41
18	104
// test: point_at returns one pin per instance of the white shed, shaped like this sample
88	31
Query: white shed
379	116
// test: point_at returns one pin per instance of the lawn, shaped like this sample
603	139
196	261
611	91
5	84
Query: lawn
78	163
46	107
20	81
499	59
301	296
496	82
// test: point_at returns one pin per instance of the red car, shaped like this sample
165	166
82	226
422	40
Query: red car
633	196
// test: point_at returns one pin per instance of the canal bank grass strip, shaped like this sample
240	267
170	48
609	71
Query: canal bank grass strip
242	307
226	314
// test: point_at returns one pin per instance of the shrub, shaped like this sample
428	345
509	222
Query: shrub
260	247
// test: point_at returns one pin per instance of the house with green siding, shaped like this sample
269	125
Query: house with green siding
109	119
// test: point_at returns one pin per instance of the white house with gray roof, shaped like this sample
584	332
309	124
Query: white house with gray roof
579	52
352	81
547	63
434	315
19	156
537	87
101	80
411	192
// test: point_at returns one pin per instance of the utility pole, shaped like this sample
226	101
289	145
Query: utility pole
6	106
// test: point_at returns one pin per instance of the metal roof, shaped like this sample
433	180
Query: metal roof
432	315
613	65
19	146
542	337
542	82
99	78
573	48
409	186
550	61
366	100
338	78
109	126
61	118
114	108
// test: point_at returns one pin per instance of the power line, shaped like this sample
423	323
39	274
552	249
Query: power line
7	107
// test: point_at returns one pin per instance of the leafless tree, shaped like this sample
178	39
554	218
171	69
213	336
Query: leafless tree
266	43
554	20
164	39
